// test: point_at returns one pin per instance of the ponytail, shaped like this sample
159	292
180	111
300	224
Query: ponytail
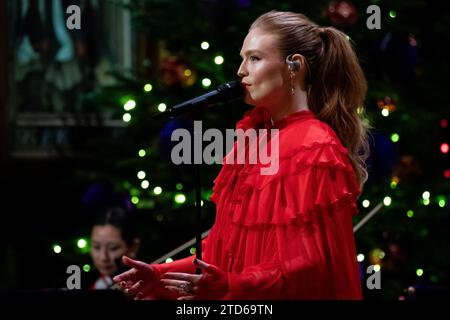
336	95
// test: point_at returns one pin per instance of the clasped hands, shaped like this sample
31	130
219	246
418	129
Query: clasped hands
141	281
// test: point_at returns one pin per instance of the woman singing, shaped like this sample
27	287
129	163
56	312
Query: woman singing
287	235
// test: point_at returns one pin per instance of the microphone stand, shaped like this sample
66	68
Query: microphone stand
198	197
196	114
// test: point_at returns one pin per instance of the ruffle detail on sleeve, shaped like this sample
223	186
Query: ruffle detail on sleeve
294	162
310	177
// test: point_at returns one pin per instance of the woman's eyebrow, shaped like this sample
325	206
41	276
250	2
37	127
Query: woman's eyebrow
250	52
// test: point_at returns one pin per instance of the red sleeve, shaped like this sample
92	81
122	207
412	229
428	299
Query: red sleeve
185	265
258	282
319	261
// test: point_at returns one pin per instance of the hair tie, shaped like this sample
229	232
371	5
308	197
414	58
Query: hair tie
323	30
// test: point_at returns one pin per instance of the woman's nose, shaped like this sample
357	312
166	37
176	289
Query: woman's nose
104	255
242	71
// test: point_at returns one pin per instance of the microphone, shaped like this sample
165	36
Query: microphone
225	92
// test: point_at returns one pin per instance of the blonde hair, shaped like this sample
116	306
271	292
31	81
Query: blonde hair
336	83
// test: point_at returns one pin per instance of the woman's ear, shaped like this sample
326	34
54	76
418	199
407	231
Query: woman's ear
134	248
303	69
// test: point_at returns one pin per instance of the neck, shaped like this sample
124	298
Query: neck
292	104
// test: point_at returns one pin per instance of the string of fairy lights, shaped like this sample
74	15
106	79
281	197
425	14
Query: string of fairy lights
377	255
130	104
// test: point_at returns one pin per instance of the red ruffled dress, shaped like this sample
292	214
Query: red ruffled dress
287	235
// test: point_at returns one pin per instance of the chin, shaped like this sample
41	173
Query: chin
259	100
248	100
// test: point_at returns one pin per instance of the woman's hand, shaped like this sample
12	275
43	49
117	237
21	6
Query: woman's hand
212	284
139	281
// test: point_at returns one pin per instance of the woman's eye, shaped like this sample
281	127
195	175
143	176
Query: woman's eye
254	58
